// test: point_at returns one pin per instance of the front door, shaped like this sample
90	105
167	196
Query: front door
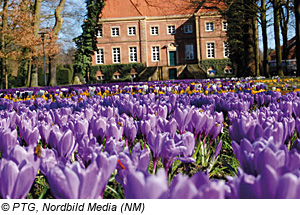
172	56
172	74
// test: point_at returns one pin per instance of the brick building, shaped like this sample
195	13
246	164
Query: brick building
167	35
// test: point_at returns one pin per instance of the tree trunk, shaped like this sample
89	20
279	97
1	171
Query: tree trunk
3	60
284	19
34	77
277	37
29	73
249	47
36	24
6	74
265	38
52	72
58	24
256	49
297	13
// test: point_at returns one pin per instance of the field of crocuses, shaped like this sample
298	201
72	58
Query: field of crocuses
191	139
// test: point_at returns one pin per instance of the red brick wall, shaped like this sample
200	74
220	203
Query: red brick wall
107	42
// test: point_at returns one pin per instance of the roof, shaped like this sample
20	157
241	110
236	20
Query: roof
117	73
150	8
99	73
133	71
291	45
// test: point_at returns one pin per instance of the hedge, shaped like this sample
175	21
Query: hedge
219	65
63	76
109	70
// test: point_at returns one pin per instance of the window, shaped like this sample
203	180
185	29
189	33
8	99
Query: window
116	55
155	53
228	70
99	78
189	52
209	26
188	28
131	31
224	26
226	49
210	50
115	32
154	30
171	29
99	32
132	54
100	56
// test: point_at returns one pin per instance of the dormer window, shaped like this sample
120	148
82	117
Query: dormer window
228	70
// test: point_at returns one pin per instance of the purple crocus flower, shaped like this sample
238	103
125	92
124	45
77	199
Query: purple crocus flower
114	147
170	151
198	186
74	182
187	139
81	128
98	127
270	184
138	160
106	164
30	153
145	128
48	160
171	127
155	142
198	120
130	131
182	118
64	143
45	130
113	131
142	186
16	179
29	133
8	140
86	147
88	113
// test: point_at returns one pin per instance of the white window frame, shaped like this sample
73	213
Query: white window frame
171	29
209	26
154	30
224	29
210	50
115	31
131	30
155	55
116	55
189	52
188	28
100	56
226	49
132	54
99	33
